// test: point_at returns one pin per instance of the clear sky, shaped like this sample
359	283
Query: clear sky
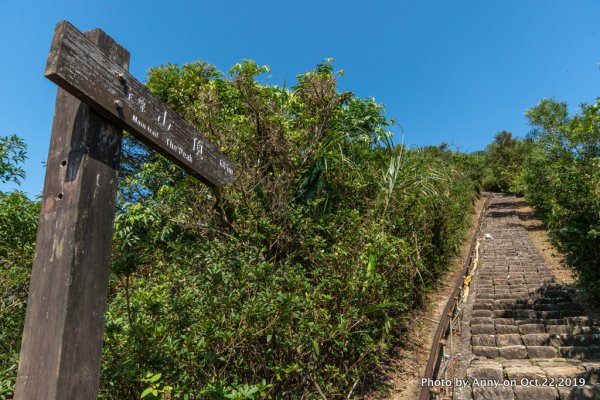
448	71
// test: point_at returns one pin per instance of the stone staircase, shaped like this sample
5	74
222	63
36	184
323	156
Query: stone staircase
527	334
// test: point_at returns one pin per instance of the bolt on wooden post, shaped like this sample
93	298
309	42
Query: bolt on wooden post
97	98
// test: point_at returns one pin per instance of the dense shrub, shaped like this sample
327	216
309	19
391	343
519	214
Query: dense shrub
296	278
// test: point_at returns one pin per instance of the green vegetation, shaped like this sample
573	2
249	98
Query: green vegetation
557	168
292	281
12	154
18	222
561	178
295	280
502	162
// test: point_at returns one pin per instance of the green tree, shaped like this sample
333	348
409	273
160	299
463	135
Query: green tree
562	181
505	157
18	223
12	154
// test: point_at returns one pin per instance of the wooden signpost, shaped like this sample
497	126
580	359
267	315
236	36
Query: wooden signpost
96	100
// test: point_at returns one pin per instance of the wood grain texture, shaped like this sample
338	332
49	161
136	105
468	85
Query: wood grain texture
64	324
77	65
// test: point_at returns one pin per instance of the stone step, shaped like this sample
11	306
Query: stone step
517	304
486	325
575	340
566	305
552	300
546	339
571	323
580	393
572	330
523	323
580	352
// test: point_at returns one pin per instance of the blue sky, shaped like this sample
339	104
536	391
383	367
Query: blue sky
447	71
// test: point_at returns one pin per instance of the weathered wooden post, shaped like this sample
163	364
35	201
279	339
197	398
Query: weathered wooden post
62	337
